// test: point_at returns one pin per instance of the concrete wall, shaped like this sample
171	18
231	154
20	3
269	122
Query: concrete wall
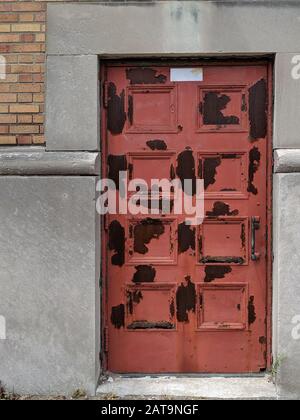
286	283
49	284
80	33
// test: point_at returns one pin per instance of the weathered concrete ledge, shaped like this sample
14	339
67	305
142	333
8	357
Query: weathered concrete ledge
286	160
172	27
210	388
37	161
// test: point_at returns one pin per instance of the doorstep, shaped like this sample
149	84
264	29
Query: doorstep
215	387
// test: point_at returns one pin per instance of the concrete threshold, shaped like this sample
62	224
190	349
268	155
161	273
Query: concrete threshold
198	388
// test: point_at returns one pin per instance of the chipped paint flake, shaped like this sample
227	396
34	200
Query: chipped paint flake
118	316
145	231
258	110
116	115
214	104
185	300
221	209
116	243
144	274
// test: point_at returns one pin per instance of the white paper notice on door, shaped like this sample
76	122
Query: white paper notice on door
185	74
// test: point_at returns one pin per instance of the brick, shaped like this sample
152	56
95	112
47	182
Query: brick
38	139
25	68
25	87
27	37
29	109
11	58
8	97
4	48
28	7
7	68
4	87
5	7
8	119
4	129
40	17
38	97
24	129
9	38
24	119
26	17
8	140
24	97
9	17
40	58
24	139
25	58
25	78
4	28
25	27
22	48
4	109
10	78
38	78
38	119
40	38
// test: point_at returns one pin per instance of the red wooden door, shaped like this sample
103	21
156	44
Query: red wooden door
182	298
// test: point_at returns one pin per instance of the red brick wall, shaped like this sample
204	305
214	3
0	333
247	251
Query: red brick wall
22	43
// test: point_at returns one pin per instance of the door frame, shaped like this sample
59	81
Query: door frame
268	61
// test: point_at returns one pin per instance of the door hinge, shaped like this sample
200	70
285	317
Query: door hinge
105	94
105	339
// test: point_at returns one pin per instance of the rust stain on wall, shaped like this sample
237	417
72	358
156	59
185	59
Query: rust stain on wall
116	115
144	76
185	300
156	144
186	237
214	104
258	110
213	272
116	243
254	161
118	316
221	209
145	231
144	274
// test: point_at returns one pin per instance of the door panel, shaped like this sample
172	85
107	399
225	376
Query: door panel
184	298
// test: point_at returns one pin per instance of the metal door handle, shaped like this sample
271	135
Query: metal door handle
255	225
